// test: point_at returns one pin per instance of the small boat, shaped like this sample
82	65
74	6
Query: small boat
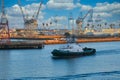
73	50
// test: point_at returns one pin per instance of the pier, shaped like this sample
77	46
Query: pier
22	45
83	40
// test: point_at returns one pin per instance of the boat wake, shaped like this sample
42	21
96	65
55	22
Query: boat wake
108	52
113	75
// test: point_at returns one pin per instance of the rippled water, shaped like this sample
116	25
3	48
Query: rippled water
38	64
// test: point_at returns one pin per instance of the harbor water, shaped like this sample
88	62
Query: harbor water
38	64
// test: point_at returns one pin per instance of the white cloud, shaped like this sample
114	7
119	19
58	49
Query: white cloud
61	18
116	12
102	14
108	10
13	11
85	7
66	4
106	7
61	4
15	22
63	1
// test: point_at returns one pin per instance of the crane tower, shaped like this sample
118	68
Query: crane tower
79	23
80	20
30	24
4	27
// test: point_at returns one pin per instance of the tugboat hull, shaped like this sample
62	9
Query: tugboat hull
86	51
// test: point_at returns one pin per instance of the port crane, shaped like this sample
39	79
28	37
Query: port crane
80	20
4	26
30	24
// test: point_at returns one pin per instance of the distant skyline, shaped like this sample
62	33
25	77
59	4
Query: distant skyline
109	10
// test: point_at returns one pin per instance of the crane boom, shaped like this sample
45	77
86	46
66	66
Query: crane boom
21	10
87	13
3	11
4	19
38	10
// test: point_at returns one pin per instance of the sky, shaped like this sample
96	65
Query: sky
61	10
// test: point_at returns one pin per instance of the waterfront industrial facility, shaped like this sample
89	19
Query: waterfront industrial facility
59	39
93	28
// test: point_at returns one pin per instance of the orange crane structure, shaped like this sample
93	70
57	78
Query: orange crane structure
4	27
30	24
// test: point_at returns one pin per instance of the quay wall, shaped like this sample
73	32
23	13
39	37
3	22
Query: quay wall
82	40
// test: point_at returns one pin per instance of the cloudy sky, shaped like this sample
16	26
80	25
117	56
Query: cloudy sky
109	10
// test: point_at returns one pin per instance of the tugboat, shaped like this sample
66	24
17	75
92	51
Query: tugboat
73	50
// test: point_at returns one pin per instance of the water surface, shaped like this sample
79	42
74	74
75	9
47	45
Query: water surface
39	64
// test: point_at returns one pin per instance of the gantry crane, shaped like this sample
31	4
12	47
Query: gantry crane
4	27
30	24
80	20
